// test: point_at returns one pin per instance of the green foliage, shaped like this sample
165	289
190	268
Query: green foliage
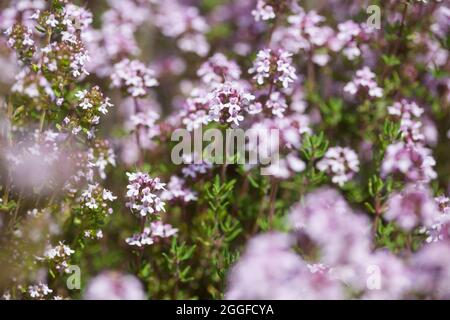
314	146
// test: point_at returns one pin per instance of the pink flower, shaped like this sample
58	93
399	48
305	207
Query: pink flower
195	112
195	166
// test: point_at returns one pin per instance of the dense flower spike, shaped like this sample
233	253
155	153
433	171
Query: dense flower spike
219	69
195	112
270	270
151	234
304	145
20	38
364	81
409	114
263	11
144	194
273	67
228	103
134	77
39	291
440	228
177	191
412	207
114	286
184	23
414	162
195	166
59	256
341	163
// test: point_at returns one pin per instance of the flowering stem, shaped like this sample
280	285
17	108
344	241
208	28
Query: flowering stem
272	83
402	27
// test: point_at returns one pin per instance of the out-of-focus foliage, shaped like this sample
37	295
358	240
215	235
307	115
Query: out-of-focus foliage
91	92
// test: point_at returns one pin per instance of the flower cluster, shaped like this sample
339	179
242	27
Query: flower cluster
219	69
195	112
439	229
20	38
228	103
185	24
114	286
364	82
178	191
39	291
91	105
263	11
68	23
95	197
412	207
144	194
291	130
195	167
305	32
320	223
411	161
347	38
335	125
254	277
409	114
157	230
58	256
